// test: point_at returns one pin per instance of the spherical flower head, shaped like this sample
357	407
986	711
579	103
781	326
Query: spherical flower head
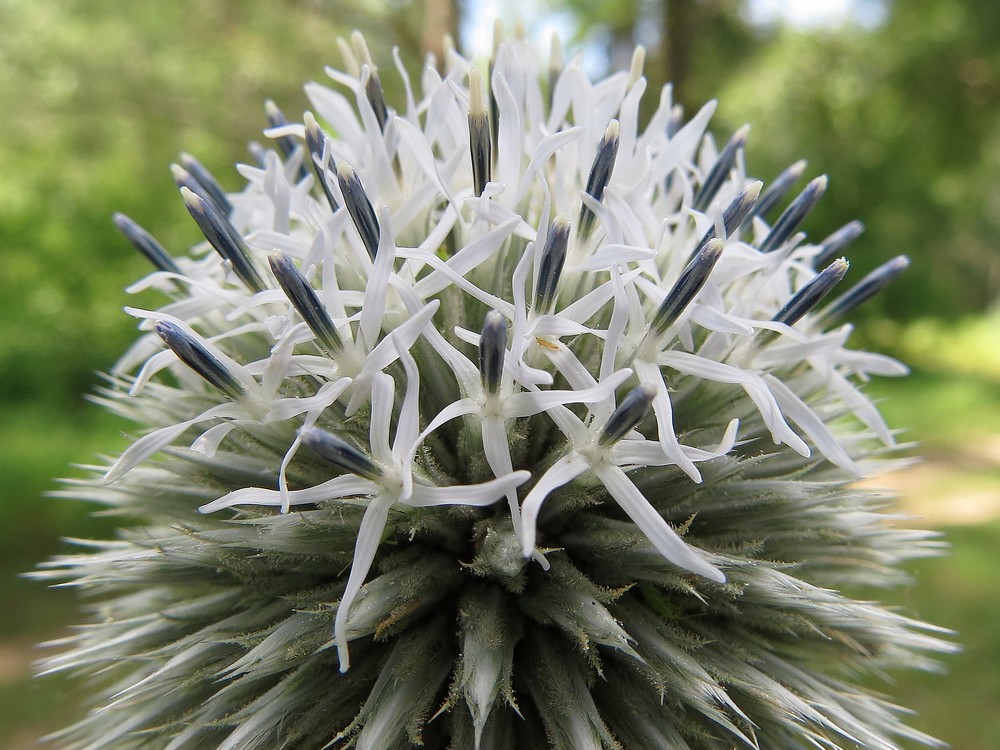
494	420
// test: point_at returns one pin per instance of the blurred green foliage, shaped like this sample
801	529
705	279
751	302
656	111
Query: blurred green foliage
904	117
101	95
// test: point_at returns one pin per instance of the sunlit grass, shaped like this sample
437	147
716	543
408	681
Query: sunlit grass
943	410
959	592
951	406
38	443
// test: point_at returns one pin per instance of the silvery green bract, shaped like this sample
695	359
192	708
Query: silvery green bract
494	421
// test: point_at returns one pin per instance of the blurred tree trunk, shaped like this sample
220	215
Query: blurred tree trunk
440	17
692	28
679	28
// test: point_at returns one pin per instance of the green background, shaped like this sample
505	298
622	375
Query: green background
100	96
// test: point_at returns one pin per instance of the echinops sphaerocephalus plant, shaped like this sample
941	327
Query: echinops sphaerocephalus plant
495	421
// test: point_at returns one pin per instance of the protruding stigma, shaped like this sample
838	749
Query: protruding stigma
550	266
687	286
316	141
359	207
285	143
184	179
492	347
146	244
448	51
735	212
193	353
305	301
208	182
638	64
340	453
276	119
224	238
627	416
600	174
807	297
864	290
778	189
480	139
719	172
792	216
498	35
836	242
350	62
360	47
373	86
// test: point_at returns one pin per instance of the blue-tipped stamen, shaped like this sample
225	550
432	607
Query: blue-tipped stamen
316	141
276	119
359	207
224	238
305	301
373	86
376	97
806	298
184	179
741	207
550	266
719	172
633	408
480	140
778	189
600	175
146	244
340	453
833	245
864	290
287	145
687	286
492	348
208	182
734	213
193	353
792	216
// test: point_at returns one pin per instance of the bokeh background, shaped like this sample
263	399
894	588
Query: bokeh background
897	101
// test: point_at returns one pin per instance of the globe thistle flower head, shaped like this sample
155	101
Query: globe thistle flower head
494	420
